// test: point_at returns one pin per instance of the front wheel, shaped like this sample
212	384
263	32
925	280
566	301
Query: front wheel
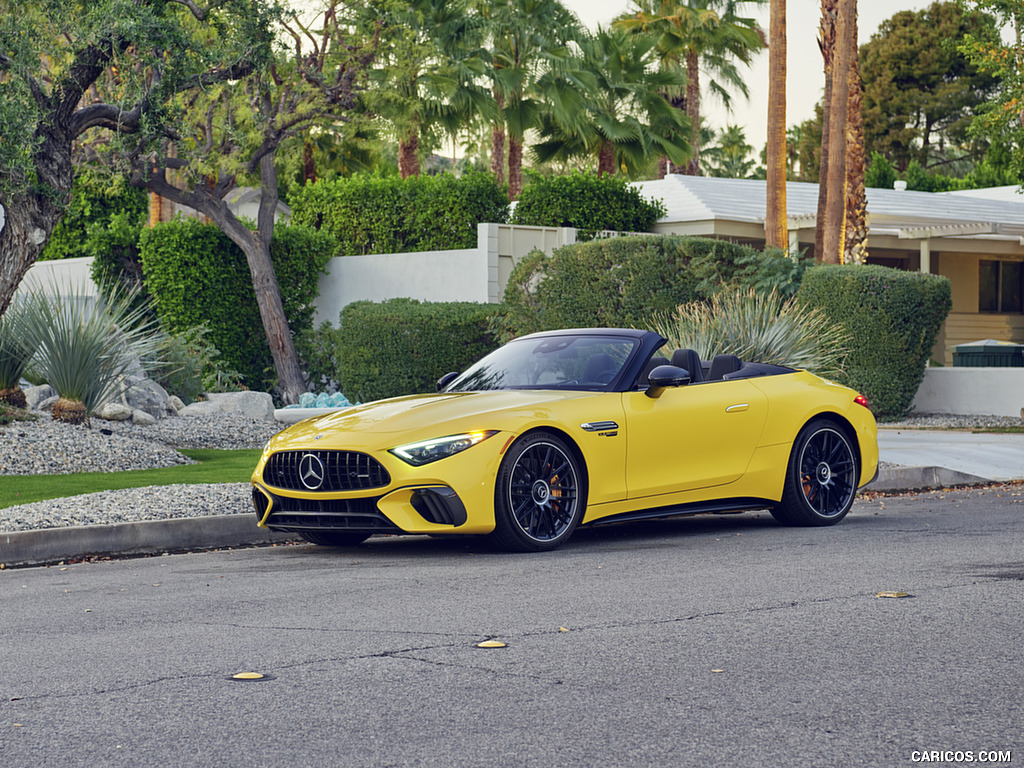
539	495
821	479
335	538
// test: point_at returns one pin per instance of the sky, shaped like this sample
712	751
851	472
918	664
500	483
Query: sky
805	79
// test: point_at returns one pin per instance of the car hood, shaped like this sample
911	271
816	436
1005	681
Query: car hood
426	416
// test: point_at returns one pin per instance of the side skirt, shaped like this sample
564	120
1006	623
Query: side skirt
718	506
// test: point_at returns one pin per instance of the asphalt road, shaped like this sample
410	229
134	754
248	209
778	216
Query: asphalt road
711	641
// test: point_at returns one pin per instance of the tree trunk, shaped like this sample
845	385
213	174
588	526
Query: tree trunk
498	143
515	167
693	109
827	45
835	206
408	155
855	249
606	160
679	101
776	234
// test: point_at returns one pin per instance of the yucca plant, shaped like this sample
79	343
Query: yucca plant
758	327
15	353
85	344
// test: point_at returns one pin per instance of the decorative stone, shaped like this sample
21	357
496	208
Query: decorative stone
47	404
114	412
177	404
253	405
36	395
142	419
143	394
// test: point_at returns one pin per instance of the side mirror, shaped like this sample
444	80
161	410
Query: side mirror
665	376
447	379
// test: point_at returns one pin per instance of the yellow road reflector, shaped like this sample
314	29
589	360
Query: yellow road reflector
491	644
247	676
892	594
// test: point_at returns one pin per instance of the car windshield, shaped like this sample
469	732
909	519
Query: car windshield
552	362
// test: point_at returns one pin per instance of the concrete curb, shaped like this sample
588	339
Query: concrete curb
51	545
922	478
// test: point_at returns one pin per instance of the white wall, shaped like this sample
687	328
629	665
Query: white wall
971	391
62	276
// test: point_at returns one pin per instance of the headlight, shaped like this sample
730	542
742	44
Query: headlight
442	447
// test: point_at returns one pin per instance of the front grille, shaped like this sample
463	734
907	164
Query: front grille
328	471
328	514
261	502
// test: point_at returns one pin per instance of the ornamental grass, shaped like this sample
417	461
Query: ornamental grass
758	327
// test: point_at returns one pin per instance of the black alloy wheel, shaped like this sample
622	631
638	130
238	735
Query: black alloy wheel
821	479
539	495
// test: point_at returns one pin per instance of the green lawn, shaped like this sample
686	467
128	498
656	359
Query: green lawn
213	467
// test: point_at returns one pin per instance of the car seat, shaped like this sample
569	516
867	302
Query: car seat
689	360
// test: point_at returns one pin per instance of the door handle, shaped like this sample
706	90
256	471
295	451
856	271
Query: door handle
737	408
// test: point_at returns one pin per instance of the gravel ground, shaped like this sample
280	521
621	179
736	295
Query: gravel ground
47	447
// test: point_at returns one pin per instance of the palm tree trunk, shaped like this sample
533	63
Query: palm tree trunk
515	167
835	205
606	160
856	236
498	143
827	45
693	109
408	155
776	234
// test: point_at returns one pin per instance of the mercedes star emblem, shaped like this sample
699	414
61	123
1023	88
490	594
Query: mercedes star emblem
311	471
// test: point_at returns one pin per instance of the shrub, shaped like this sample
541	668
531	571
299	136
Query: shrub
402	346
190	366
84	346
623	282
588	202
374	214
758	327
892	317
197	276
16	351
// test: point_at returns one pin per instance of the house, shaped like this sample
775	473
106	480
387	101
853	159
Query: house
976	239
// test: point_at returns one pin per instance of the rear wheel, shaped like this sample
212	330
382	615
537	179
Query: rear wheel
539	495
821	479
335	538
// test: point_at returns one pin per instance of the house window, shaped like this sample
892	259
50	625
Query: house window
1001	286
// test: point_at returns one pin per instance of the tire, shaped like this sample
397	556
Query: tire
335	538
821	478
539	496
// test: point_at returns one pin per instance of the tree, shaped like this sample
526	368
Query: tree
527	39
776	230
224	121
53	62
627	123
832	242
920	92
707	35
729	157
855	229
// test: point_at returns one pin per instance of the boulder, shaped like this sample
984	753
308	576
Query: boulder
252	405
144	394
114	412
47	404
142	419
177	404
35	395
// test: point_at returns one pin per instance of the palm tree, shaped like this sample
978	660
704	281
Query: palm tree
855	247
628	124
730	157
776	233
707	35
835	180
527	39
827	46
427	75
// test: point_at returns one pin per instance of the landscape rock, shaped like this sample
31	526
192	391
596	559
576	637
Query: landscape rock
142	419
177	404
252	405
35	395
144	394
47	404
114	412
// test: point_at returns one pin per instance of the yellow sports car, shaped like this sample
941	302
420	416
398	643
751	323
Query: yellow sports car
568	428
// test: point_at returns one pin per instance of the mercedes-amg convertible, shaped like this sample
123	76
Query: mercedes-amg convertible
567	428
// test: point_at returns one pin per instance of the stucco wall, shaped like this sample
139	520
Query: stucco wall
971	391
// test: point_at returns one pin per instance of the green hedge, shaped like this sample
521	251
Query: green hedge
893	318
625	281
588	202
197	276
374	214
402	346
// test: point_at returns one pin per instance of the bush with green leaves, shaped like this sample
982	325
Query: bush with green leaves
16	351
85	344
623	282
588	202
197	277
190	366
385	214
402	346
892	318
758	327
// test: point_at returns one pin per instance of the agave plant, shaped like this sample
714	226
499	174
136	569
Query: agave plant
85	344
15	353
761	327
